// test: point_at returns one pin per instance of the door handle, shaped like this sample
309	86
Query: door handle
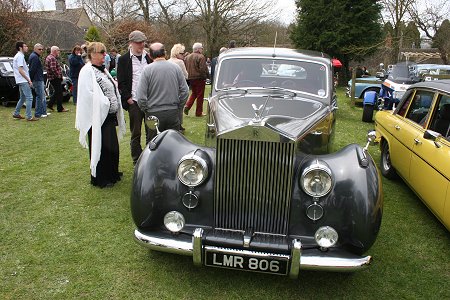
397	127
417	141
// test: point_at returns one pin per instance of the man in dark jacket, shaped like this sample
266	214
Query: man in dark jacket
129	69
37	77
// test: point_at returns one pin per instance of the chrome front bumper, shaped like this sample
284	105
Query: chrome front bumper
305	259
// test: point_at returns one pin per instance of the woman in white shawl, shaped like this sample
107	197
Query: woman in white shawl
99	111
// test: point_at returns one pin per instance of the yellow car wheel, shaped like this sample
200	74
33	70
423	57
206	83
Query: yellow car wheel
386	167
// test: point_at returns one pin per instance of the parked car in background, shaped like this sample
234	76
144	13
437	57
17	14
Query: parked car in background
428	72
266	193
9	91
415	144
399	78
66	84
373	84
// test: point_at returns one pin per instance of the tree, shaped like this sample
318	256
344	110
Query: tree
107	12
396	12
430	20
92	35
345	29
441	40
118	37
13	17
411	36
222	20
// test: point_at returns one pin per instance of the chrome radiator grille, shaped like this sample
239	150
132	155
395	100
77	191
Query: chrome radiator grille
253	185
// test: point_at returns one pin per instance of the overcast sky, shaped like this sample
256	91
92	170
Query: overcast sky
286	7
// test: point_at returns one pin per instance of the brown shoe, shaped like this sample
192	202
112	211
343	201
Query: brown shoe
18	117
33	119
63	110
186	110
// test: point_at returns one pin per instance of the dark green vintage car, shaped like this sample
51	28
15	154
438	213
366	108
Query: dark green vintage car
265	194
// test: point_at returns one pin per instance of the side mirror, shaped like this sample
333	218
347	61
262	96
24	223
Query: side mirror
152	123
371	139
431	135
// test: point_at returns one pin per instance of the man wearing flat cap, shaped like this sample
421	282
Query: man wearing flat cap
129	69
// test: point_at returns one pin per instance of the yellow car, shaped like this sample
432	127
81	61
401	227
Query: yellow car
415	144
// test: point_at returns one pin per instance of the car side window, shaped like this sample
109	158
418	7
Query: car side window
404	105
420	105
441	118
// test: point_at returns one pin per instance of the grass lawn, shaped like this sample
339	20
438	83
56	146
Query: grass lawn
61	238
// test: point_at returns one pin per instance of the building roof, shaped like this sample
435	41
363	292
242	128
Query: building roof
68	15
59	33
63	28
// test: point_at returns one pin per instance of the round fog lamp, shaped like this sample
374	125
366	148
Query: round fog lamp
326	236
174	221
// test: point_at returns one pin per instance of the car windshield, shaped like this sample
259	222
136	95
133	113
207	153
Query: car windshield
295	75
402	72
6	68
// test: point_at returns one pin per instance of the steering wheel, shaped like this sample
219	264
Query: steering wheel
245	83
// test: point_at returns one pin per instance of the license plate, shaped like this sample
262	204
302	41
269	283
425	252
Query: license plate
247	261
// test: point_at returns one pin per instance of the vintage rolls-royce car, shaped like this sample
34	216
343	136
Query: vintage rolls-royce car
264	194
415	144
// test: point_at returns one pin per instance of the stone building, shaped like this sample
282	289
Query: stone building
64	27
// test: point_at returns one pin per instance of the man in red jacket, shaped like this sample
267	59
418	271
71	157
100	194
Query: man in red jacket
197	75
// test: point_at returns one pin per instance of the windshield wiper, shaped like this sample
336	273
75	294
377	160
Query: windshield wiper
284	91
233	89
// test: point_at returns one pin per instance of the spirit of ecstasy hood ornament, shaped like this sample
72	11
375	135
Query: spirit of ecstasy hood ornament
259	110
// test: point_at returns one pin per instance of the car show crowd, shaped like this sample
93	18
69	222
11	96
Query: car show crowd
104	83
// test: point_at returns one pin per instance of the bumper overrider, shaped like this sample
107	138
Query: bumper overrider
210	254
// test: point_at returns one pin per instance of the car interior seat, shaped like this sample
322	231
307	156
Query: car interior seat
442	124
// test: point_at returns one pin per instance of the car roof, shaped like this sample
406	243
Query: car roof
442	85
6	58
276	53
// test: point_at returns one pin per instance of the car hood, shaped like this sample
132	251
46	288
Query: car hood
289	117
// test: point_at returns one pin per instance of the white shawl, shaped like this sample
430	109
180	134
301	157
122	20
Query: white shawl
92	109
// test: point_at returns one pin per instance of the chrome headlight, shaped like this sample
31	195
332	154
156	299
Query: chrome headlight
326	237
174	221
316	179
192	170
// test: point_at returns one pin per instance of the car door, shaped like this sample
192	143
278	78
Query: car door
430	161
403	132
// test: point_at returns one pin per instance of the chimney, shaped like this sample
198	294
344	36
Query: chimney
60	5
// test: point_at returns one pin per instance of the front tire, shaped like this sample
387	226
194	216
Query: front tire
386	167
367	113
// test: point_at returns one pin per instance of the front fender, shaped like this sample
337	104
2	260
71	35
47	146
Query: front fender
354	205
156	188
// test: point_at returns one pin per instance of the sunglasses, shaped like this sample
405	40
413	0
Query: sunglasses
102	52
40	49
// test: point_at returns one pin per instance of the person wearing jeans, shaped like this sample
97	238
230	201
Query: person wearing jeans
26	96
22	78
75	65
37	77
41	100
